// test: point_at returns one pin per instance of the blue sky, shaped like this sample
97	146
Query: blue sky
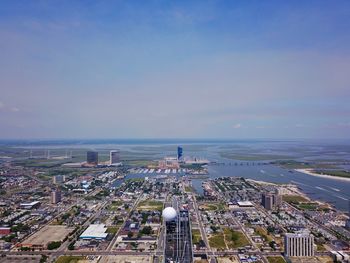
174	69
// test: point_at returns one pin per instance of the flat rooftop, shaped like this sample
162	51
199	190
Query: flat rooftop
95	231
245	203
30	204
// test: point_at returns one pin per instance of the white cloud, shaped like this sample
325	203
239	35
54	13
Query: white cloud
344	124
237	126
1	105
14	109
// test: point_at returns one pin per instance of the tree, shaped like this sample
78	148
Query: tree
270	229
272	244
201	243
43	259
147	230
71	246
234	236
130	234
54	245
20	228
214	228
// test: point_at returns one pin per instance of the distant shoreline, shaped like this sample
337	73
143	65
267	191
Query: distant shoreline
311	172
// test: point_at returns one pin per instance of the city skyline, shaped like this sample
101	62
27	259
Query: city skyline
206	69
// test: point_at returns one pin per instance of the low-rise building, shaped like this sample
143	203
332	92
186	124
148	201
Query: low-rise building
95	231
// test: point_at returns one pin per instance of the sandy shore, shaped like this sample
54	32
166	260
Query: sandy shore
289	188
311	172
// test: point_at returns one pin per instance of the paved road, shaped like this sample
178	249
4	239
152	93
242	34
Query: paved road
256	249
112	243
134	253
209	252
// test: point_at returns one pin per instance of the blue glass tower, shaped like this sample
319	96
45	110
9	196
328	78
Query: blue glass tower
179	153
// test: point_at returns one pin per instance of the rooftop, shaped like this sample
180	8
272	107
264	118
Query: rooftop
245	203
95	231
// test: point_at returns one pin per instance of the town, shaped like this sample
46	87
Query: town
94	211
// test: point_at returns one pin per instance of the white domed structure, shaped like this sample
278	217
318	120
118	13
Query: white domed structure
169	214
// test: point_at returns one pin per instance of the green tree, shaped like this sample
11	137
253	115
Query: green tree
71	246
147	230
43	259
54	245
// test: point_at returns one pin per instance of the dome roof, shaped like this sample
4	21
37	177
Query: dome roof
169	214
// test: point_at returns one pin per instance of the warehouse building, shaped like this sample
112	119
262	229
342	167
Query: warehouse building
95	231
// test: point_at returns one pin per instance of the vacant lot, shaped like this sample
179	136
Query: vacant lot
69	259
217	241
196	236
150	205
232	259
115	205
276	260
48	234
235	239
112	229
263	233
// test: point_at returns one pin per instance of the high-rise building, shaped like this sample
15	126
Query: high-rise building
277	200
299	245
56	196
271	201
177	241
179	153
92	157
58	179
114	157
267	201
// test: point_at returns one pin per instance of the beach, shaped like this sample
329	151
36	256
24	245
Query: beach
311	172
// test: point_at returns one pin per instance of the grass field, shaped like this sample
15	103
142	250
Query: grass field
263	233
212	206
112	229
196	236
235	239
277	259
294	199
150	205
217	241
69	259
321	248
114	205
308	206
188	189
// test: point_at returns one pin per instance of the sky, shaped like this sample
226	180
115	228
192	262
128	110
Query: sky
174	69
